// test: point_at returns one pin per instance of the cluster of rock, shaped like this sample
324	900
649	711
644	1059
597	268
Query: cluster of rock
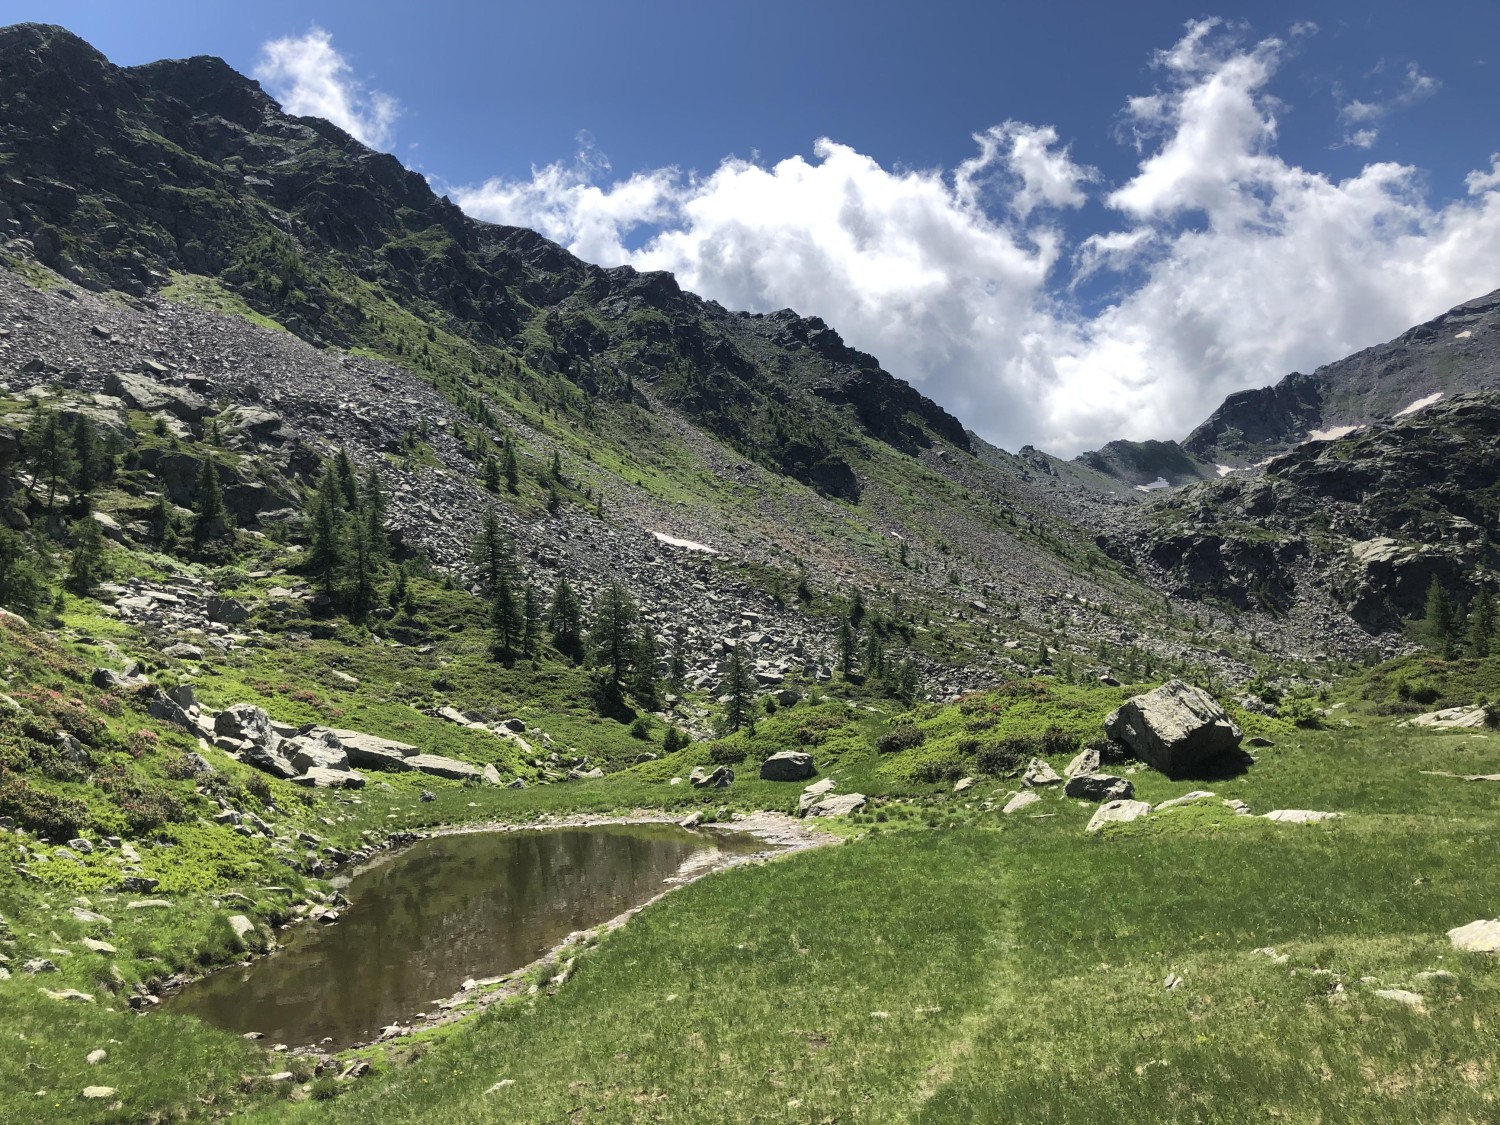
1176	729
312	755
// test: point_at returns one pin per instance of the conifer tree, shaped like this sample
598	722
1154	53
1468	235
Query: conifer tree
739	692
614	632
494	554
22	585
372	501
326	551
857	609
210	519
531	621
846	648
51	453
555	470
644	684
348	483
512	469
505	620
565	620
492	474
1482	615
1441	620
164	522
86	564
90	458
362	569
677	666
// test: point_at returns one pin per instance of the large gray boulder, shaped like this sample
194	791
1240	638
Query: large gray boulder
789	765
1175	728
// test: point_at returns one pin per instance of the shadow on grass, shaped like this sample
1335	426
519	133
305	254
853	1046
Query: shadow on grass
1225	767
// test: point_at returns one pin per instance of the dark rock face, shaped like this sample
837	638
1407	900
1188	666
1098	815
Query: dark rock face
1365	522
1175	728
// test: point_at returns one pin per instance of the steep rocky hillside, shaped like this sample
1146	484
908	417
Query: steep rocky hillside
273	279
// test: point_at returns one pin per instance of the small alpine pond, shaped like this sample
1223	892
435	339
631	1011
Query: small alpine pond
425	919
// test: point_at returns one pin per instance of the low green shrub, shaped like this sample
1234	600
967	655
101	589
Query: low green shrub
903	736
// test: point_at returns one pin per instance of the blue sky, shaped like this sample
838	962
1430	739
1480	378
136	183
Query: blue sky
1066	222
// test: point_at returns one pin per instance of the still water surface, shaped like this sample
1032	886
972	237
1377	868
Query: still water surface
424	920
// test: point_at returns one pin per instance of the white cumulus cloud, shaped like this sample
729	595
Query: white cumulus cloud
1225	265
312	79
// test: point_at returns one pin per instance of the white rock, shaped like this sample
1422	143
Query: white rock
1300	816
1185	799
1401	996
1117	812
1020	801
1482	936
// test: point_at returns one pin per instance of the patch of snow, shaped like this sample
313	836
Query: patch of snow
685	544
1333	433
1225	470
1159	482
1464	335
1420	403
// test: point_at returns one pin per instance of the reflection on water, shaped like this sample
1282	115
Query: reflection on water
426	919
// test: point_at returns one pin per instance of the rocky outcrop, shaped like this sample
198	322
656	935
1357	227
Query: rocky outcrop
720	777
1177	728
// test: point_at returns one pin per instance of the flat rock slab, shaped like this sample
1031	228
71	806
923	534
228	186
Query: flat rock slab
841	805
1185	799
1300	816
1450	718
1117	812
320	778
1020	801
439	766
1482	936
